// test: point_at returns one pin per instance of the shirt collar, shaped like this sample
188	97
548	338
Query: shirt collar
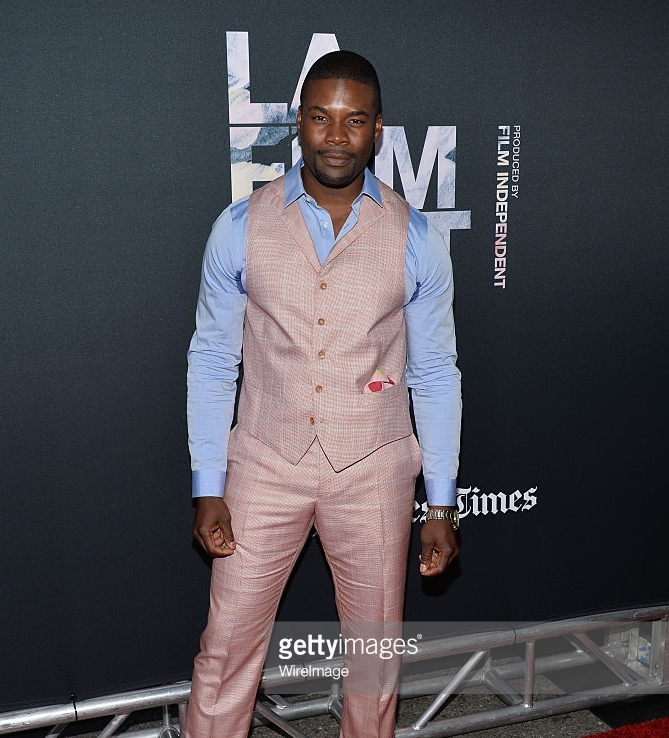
294	188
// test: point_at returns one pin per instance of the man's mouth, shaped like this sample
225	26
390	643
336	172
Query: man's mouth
336	158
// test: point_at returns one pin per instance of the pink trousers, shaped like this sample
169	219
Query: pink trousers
363	518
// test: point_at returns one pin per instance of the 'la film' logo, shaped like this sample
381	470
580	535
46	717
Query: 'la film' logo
263	140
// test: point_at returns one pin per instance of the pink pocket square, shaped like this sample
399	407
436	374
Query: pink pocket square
378	382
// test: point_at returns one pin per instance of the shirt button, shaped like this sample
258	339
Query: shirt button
325	225
312	421
321	354
321	321
319	388
323	285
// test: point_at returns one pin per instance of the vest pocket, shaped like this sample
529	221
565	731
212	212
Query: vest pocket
385	396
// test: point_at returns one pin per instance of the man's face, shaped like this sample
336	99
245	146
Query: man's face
337	125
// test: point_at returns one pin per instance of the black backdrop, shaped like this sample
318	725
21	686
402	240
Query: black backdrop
115	160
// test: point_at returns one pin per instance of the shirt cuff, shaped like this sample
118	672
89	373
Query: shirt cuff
208	483
440	492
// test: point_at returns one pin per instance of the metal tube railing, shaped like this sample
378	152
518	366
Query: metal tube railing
640	664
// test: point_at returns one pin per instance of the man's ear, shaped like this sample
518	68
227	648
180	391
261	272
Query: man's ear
298	122
378	125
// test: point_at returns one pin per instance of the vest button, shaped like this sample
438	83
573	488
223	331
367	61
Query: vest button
312	421
321	321
319	388
323	285
321	354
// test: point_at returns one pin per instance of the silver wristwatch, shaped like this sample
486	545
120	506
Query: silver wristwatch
450	514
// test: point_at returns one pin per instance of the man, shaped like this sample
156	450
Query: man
341	296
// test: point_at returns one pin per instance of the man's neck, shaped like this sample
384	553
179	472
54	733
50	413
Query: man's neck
337	198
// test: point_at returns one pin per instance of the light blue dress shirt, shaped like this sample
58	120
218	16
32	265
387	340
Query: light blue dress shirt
215	350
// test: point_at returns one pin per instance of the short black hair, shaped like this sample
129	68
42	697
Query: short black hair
345	65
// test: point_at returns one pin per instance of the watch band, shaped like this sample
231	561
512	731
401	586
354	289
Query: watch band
450	514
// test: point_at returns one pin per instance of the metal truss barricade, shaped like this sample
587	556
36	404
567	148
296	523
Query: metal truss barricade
585	662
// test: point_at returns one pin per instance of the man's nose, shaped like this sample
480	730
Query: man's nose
337	133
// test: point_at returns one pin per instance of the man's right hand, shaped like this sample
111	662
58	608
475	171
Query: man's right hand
212	527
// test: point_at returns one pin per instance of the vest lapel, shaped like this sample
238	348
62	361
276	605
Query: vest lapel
294	222
370	212
292	218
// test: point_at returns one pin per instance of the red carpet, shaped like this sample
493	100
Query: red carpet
652	729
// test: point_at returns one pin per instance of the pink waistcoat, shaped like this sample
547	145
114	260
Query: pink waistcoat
314	335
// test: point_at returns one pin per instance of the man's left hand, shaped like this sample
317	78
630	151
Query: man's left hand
440	547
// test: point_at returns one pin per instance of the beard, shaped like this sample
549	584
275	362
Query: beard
335	177
335	182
